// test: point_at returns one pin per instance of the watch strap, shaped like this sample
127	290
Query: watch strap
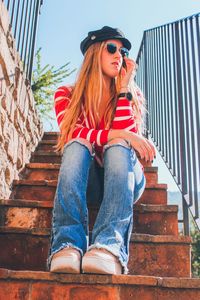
127	95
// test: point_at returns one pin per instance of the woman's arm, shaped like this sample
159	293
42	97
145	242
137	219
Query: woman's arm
61	102
101	137
123	118
94	136
143	146
124	123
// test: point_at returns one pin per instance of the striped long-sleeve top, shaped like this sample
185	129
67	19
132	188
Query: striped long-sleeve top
123	119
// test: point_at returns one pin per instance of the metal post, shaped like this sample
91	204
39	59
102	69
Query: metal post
145	85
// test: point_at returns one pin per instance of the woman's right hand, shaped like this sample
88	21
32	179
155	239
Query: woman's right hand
128	72
143	146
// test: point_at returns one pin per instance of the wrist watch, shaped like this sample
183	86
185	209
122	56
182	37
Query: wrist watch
127	95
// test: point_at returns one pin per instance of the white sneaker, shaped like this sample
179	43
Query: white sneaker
101	261
67	260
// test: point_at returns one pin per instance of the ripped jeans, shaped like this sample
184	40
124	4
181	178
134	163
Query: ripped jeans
124	183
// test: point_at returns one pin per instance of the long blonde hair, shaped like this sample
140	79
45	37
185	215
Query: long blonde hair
87	92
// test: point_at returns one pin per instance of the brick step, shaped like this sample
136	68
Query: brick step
46	145
148	219
55	157
27	249
50	135
38	285
48	171
45	190
156	219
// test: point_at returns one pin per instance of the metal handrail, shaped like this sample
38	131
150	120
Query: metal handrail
23	21
169	74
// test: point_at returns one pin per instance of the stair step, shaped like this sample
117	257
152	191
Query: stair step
47	142
40	171
49	171
45	285
27	249
46	145
46	156
50	135
156	219
55	157
148	219
45	190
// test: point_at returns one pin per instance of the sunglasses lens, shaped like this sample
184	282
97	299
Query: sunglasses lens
112	48
124	52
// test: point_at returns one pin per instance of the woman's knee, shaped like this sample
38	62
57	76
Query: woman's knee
81	141
117	155
77	154
76	160
118	141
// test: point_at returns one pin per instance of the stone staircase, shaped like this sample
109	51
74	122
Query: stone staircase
160	267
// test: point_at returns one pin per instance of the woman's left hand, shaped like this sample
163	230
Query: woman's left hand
131	67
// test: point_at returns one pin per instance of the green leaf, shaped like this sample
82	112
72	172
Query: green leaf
44	82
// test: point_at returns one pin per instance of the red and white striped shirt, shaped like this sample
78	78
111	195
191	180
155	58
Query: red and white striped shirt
123	119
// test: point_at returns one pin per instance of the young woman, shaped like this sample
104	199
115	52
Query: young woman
100	119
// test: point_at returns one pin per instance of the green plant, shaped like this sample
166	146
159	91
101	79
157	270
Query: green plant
195	234
44	82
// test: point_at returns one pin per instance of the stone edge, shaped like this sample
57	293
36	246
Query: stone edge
166	282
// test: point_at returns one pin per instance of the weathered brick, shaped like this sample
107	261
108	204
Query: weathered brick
14	290
51	291
179	294
149	255
152	257
138	292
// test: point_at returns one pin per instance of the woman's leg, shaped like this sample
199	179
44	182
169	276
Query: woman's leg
124	182
70	215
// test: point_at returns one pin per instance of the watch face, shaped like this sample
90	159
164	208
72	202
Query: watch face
129	96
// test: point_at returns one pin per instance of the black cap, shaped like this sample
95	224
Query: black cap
103	34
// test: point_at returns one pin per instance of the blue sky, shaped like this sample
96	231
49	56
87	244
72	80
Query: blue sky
63	24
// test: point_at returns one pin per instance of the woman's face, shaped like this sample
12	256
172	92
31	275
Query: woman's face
111	63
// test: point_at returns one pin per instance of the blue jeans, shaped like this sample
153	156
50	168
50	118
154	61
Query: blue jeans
123	184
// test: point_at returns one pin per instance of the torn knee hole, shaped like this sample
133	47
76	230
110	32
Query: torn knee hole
118	141
85	142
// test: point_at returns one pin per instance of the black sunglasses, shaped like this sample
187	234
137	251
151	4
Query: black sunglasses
112	48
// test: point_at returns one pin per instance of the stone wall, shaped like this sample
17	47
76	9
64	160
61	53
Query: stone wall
20	126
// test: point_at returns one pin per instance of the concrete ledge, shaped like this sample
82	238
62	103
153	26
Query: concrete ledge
43	166
57	166
172	282
148	238
33	203
158	186
135	237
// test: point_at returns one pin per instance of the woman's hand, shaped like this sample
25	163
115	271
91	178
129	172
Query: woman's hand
131	67
143	146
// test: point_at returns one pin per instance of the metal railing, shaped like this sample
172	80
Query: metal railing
23	21
169	74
